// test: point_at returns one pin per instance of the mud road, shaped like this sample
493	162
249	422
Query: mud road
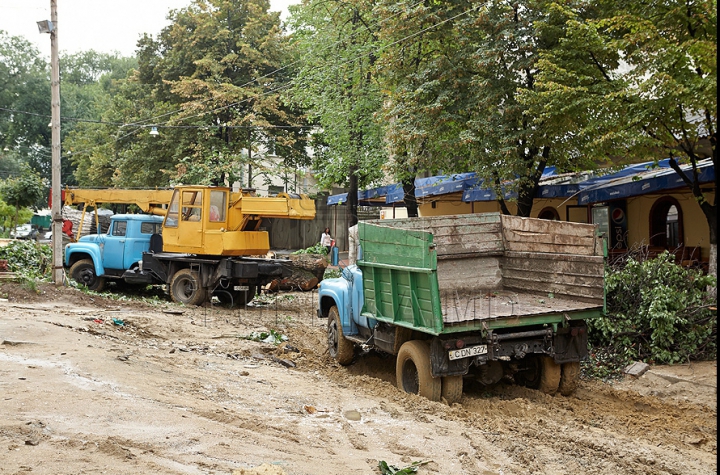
95	385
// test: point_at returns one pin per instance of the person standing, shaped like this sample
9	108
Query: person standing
326	240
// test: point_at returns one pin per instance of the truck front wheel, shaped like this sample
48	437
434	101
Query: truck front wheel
413	371
187	288
83	272
341	349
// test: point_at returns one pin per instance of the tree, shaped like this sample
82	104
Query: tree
24	104
336	83
659	102
22	191
210	83
455	104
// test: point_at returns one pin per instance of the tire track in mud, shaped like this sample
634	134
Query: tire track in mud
501	429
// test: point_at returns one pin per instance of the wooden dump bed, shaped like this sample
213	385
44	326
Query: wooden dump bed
441	271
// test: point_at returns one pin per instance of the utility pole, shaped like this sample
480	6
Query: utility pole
57	220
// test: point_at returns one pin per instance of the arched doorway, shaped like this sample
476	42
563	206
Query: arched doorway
666	224
549	213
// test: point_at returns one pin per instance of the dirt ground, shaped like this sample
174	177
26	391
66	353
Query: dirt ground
95	385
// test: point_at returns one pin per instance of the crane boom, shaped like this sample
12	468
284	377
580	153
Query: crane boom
144	199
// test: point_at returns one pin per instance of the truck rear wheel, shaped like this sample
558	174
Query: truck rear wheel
413	371
549	375
569	377
340	348
187	288
83	272
452	387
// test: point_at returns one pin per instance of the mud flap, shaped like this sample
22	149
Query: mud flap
441	363
571	344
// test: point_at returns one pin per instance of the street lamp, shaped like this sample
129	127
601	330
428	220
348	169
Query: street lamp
51	27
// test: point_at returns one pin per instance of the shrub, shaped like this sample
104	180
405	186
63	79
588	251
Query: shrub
315	249
28	258
657	311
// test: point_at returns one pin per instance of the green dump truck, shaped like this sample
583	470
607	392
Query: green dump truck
481	296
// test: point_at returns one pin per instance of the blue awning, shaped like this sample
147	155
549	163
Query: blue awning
444	184
337	199
619	184
477	192
644	183
380	196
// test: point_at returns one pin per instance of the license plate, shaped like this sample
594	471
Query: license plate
241	287
467	352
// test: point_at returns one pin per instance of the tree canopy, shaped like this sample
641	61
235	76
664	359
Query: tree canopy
210	84
337	84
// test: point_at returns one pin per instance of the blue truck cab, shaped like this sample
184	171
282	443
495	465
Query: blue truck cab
97	257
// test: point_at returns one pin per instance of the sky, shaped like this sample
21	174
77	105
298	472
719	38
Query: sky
103	25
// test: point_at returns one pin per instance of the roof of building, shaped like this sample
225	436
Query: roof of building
588	186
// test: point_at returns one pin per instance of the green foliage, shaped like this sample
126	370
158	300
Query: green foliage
28	258
8	217
336	82
24	87
22	191
386	469
271	336
314	249
332	273
634	81
657	311
455	93
210	83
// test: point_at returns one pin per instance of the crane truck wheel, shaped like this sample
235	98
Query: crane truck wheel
452	387
340	348
413	371
569	377
236	298
83	272
187	288
549	375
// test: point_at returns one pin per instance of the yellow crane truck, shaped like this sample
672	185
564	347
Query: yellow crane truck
198	240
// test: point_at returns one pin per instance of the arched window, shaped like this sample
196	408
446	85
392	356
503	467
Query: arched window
666	223
549	213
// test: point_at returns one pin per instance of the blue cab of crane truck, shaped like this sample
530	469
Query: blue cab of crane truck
112	253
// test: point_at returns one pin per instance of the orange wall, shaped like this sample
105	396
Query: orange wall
695	227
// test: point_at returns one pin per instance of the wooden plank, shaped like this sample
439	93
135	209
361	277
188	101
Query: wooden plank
432	222
538	235
511	235
549	248
560	263
521	283
469	274
534	225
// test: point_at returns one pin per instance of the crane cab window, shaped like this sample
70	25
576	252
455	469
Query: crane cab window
191	205
218	205
171	219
